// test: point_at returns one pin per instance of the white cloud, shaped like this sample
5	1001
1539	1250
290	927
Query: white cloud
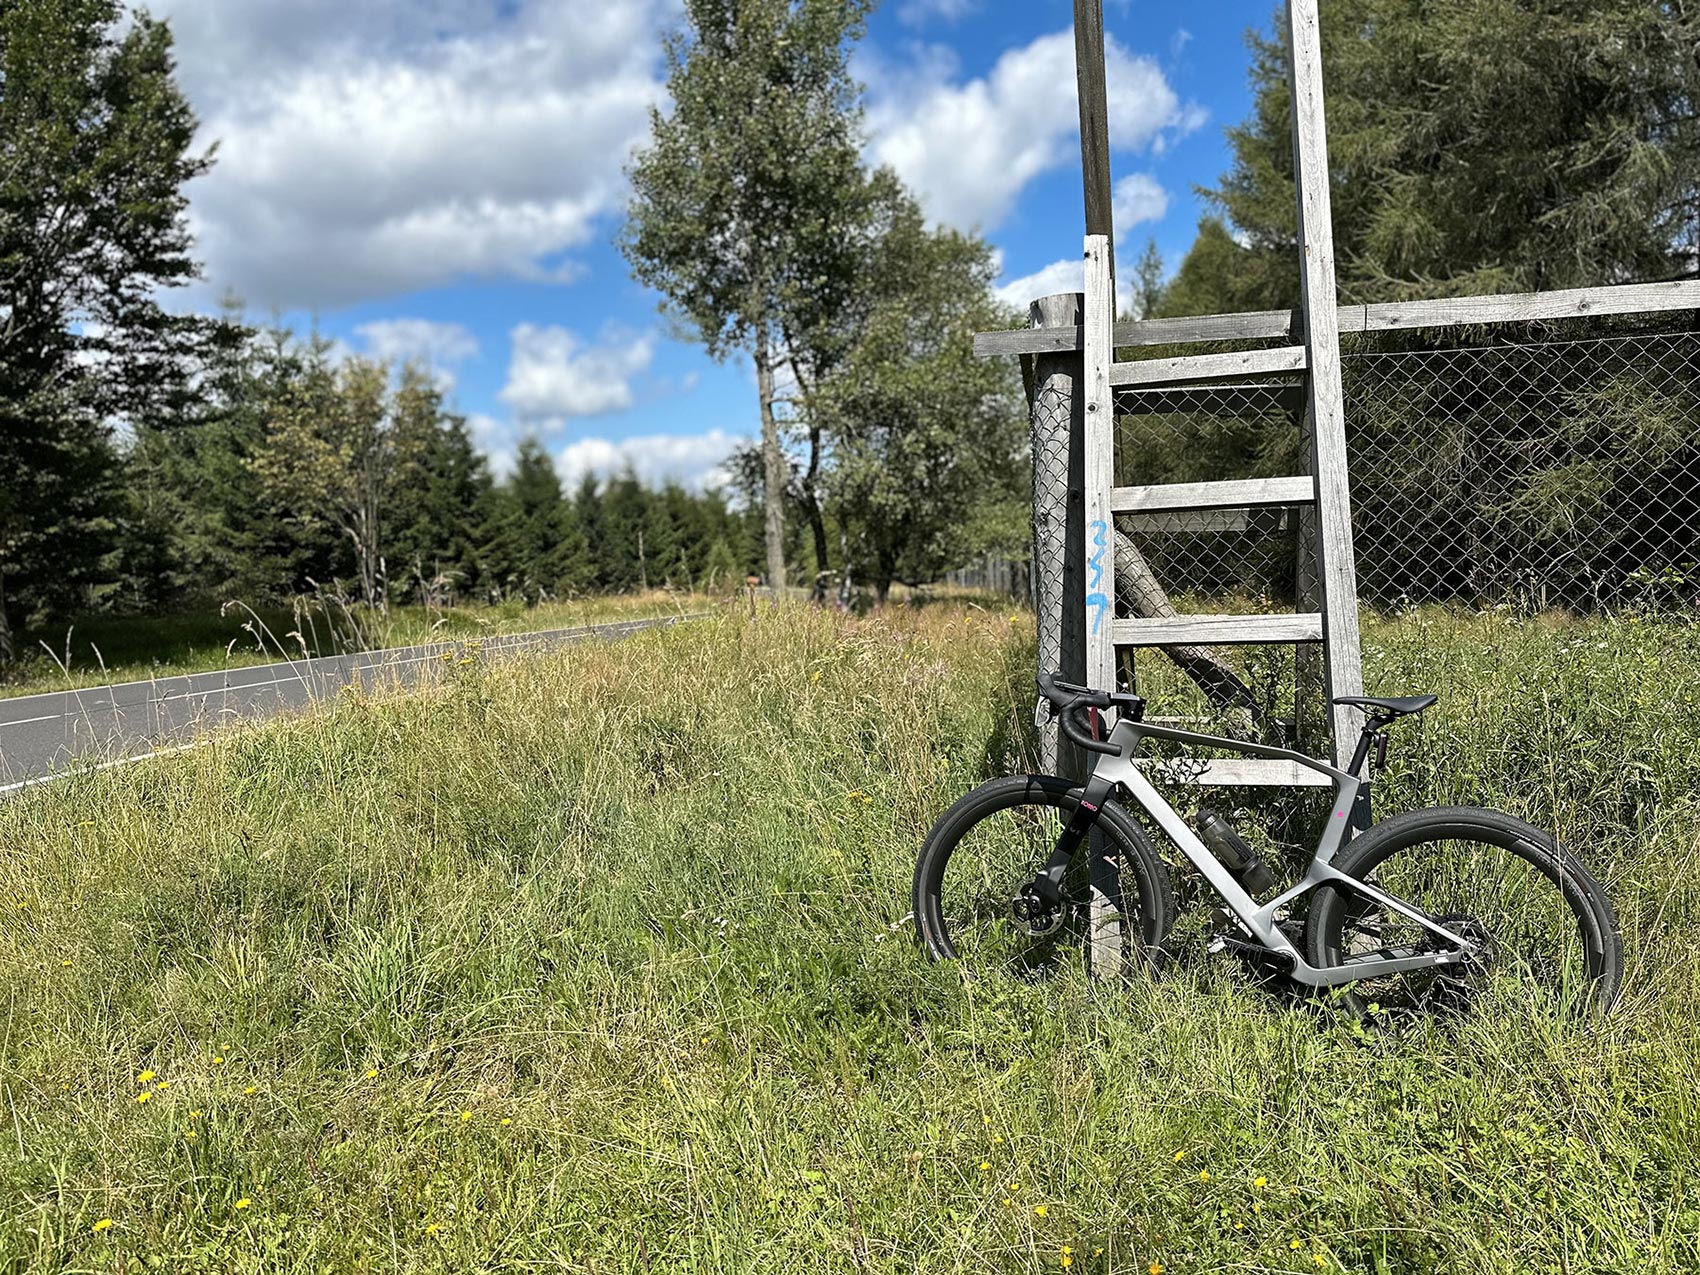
380	147
694	460
916	13
969	149
1059	276
438	347
554	376
1137	198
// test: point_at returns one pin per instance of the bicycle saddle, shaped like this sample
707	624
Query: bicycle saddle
1411	704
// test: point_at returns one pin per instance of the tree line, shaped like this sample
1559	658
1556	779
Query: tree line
155	459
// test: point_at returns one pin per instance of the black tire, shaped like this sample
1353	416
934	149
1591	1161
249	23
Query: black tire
1551	936
997	838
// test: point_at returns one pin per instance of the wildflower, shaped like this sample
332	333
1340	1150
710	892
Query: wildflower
985	1166
371	1073
1257	1208
1067	1261
1260	1182
1179	1156
1204	1175
432	1229
218	1061
1039	1210
243	1203
998	1138
143	1096
249	1089
104	1224
189	1134
506	1122
164	1084
985	1120
1008	1203
66	964
144	1077
1156	1268
1319	1259
1067	1251
465	1116
1296	1244
1239	1226
195	1114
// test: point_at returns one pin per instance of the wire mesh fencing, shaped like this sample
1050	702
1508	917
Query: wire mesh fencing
1538	465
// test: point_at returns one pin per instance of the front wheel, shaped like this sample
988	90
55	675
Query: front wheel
1545	934
994	841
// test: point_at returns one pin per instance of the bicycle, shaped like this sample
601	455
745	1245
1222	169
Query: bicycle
1410	912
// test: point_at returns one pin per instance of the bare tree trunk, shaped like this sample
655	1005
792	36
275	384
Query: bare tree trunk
774	469
8	643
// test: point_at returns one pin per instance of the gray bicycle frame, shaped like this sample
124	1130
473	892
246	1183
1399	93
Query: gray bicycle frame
1123	770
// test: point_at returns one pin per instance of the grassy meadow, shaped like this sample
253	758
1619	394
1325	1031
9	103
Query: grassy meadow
599	961
95	650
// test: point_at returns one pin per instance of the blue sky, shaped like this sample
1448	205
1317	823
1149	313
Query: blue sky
441	179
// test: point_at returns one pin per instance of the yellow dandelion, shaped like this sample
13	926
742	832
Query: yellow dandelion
998	1138
144	1077
432	1229
250	1089
1260	1182
1179	1156
1066	1250
1008	1203
189	1134
1039	1210
1319	1259
985	1120
1239	1226
1156	1268
244	1202
1296	1244
1204	1175
1098	1252
105	1224
465	1116
1257	1208
1066	1262
66	964
164	1084
143	1096
195	1114
371	1073
218	1061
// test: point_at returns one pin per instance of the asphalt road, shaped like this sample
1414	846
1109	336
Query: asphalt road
45	735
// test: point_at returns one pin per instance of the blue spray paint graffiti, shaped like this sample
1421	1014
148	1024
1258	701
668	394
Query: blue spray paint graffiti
1096	602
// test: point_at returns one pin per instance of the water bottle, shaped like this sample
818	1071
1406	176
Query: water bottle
1228	846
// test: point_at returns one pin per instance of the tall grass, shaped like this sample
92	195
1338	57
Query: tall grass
600	961
96	650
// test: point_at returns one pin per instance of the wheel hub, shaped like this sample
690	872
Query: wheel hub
1033	915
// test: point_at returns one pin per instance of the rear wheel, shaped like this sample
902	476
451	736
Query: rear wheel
992	843
1545	931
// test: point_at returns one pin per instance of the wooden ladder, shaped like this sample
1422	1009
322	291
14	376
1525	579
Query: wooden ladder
1335	623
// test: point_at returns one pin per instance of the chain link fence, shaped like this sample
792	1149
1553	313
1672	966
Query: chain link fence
1537	464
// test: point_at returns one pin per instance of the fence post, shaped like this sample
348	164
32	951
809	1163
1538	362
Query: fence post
1056	418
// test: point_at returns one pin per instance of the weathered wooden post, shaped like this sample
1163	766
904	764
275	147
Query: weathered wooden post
1326	415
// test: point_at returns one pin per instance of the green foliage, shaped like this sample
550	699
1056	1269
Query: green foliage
928	441
94	153
1476	146
669	947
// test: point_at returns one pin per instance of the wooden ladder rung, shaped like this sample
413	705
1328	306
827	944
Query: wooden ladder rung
1244	494
1219	630
1224	772
1204	367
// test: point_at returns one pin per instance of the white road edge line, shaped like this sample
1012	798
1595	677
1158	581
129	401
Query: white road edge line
21	784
